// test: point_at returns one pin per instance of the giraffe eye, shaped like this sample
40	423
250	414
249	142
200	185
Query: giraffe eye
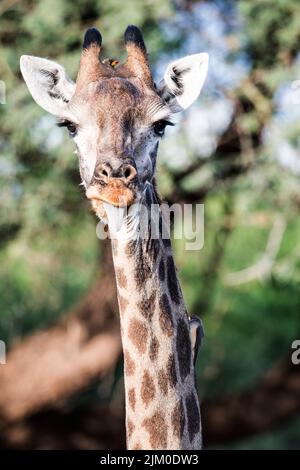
159	126
72	128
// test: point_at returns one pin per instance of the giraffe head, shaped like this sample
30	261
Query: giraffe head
115	113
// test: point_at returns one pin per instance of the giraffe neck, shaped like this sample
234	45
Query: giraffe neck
162	408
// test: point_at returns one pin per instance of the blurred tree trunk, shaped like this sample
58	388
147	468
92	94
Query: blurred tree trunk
65	358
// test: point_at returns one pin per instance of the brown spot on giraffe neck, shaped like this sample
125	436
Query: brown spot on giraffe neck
154	248
193	416
132	398
129	365
130	249
147	388
163	381
165	315
138	333
147	305
172	281
143	268
184	350
178	420
161	270
157	429
130	428
121	278
154	348
171	371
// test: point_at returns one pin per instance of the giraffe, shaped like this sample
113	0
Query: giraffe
116	115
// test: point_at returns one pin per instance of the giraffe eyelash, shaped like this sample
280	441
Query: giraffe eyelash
63	123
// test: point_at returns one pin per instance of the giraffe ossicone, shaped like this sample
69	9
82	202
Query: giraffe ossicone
116	116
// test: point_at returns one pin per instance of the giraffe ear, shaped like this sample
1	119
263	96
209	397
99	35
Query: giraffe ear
48	83
183	81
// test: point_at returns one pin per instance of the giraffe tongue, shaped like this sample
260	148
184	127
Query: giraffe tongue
115	216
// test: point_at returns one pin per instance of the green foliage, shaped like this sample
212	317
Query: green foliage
271	30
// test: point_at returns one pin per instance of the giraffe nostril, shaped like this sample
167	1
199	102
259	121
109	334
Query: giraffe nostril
103	172
129	172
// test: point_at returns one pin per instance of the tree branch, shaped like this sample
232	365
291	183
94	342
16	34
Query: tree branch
263	267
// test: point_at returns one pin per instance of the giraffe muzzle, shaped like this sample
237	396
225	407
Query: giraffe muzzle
116	187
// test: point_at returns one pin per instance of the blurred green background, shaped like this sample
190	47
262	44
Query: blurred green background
236	150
